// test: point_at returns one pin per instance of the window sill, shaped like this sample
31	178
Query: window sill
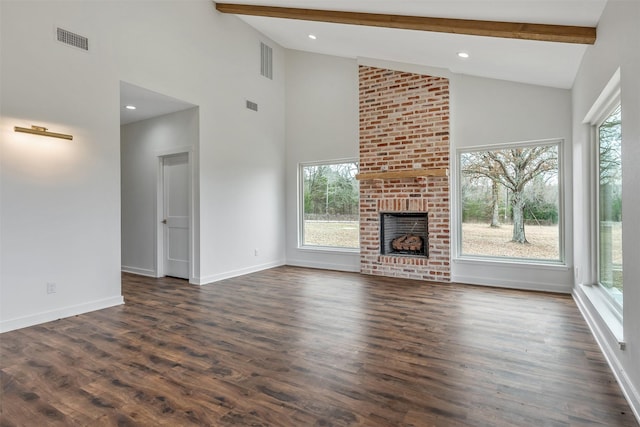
512	262
608	313
328	249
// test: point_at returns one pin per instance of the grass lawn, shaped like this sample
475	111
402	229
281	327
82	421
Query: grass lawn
344	234
480	239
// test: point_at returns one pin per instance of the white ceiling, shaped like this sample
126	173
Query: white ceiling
148	104
541	63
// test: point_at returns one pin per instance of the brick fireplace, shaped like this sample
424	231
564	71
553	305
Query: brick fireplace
404	126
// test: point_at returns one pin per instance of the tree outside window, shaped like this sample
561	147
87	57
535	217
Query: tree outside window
610	204
330	205
510	204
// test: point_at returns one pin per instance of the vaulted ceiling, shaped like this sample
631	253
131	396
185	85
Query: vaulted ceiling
546	63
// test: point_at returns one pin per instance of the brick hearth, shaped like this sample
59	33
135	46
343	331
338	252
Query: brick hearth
404	124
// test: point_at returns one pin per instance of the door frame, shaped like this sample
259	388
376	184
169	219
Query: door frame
159	209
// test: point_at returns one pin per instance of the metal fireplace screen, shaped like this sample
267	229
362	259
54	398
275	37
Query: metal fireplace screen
404	233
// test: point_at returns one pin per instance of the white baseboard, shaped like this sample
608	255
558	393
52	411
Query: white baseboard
324	265
139	271
630	392
235	273
60	313
512	284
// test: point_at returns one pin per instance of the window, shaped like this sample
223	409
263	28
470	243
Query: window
510	202
609	196
603	268
329	205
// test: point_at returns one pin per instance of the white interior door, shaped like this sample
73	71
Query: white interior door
175	180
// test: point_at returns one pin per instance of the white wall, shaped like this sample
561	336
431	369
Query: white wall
215	65
142	144
323	89
487	112
321	124
616	47
60	217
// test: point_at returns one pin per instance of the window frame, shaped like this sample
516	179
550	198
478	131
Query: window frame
300	208
610	313
607	109
561	261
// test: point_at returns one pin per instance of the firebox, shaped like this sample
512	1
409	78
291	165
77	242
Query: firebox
404	233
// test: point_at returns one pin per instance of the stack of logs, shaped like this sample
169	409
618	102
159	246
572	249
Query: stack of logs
407	242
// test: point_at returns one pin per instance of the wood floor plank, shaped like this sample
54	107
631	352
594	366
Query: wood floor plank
302	347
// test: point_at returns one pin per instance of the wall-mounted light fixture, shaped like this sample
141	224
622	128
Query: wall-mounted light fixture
39	130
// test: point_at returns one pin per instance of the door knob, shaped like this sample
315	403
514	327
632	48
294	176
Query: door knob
164	221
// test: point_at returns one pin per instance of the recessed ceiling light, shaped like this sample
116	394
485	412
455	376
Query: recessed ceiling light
130	107
463	55
312	36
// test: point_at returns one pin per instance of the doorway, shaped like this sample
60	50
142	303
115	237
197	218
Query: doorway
175	228
160	128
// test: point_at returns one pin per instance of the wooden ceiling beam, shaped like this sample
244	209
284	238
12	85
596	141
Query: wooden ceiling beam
512	30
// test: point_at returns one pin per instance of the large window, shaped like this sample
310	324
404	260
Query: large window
609	136
510	202
329	205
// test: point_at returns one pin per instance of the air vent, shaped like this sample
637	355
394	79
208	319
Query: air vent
266	61
72	39
252	105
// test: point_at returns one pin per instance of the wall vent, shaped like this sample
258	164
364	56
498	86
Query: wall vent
252	105
72	39
266	61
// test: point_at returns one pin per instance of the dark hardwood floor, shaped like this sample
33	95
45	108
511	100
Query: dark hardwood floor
302	347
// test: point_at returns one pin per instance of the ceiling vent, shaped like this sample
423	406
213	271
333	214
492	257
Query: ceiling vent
266	61
72	39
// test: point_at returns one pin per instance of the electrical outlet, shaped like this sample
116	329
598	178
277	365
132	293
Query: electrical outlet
51	288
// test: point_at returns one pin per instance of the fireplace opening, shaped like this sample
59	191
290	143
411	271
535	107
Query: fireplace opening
404	233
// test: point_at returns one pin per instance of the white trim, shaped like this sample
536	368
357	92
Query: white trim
609	96
48	316
324	265
607	312
630	392
235	273
139	271
529	285
592	219
517	263
328	249
330	162
507	145
174	150
158	238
